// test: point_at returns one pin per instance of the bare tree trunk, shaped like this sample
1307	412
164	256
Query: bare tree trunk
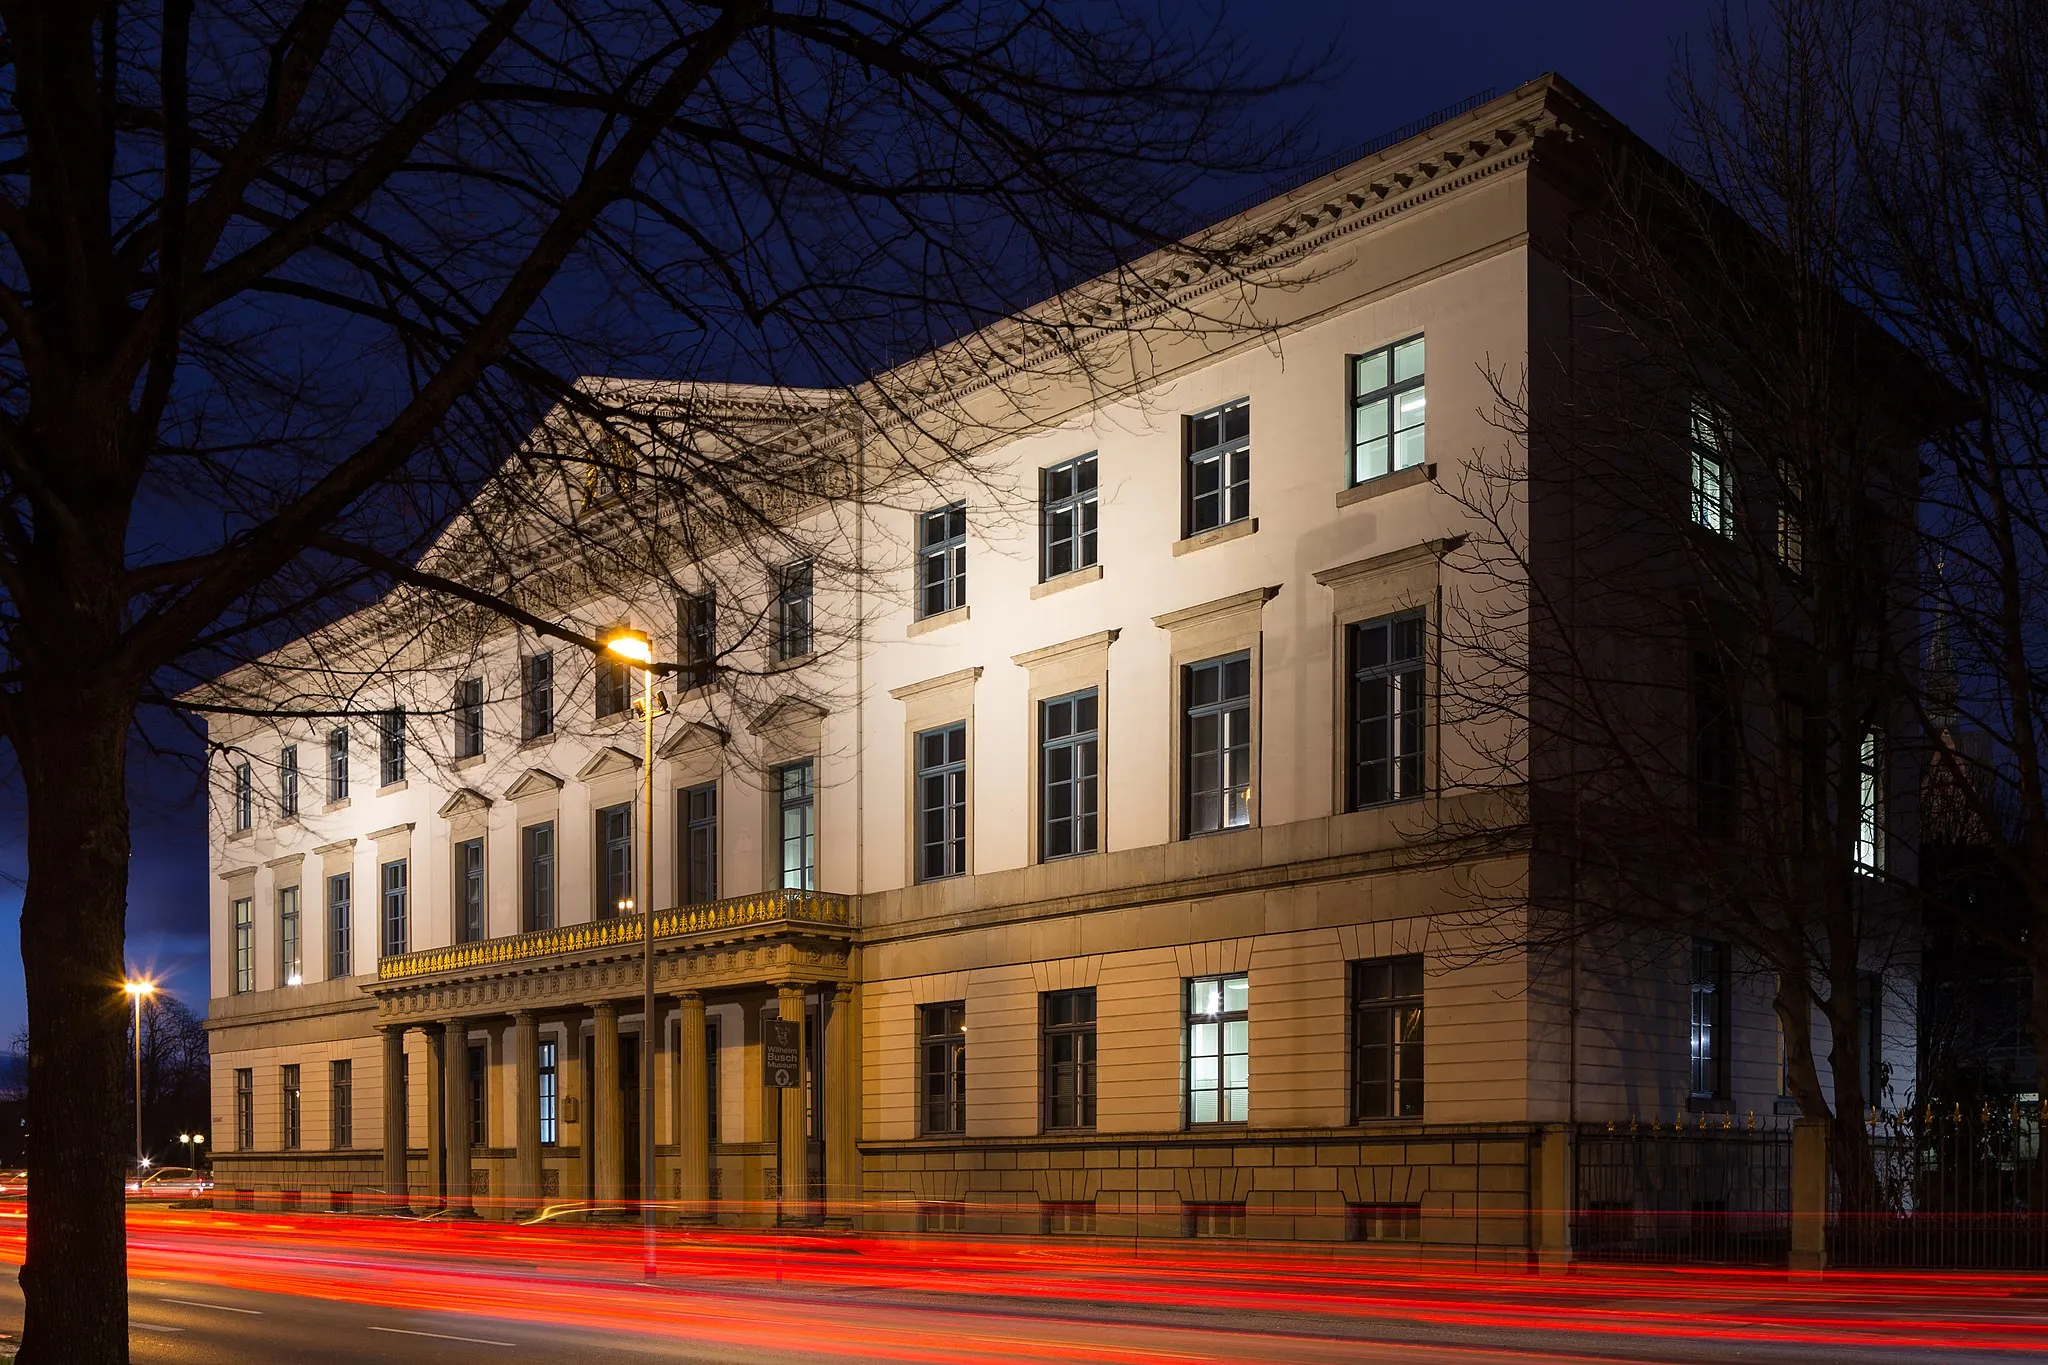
2037	1026
74	1278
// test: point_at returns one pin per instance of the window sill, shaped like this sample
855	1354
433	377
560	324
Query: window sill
1215	535
1709	1104
929	624
792	662
1078	578
1387	483
332	806
538	741
287	822
393	788
1785	1104
459	764
241	836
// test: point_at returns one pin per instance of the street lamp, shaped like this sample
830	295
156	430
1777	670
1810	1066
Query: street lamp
637	648
191	1141
138	991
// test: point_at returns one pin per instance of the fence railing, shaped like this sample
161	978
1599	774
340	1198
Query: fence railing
766	907
1704	1188
1957	1186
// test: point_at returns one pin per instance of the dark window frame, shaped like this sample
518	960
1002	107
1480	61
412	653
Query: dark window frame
942	1068
941	801
802	805
942	560
469	718
245	797
1386	754
1230	754
1069	517
537	695
1077	832
1387	1021
477	1061
245	1109
612	689
472	910
795	635
288	782
1710	479
337	764
1068	1073
391	747
538	903
1227	453
1390	392
242	912
291	1107
613	839
1709	1015
341	1104
697	817
291	944
340	905
394	882
697	632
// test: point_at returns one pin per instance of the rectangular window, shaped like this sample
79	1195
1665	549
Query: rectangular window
1387	410
1385	705
339	957
1219	472
550	1092
1713	747
245	796
1067	1022
537	699
288	1084
245	945
942	1039
793	611
1067	516
1219	1049
797	806
614	688
1386	1038
1713	500
391	747
614	859
697	808
469	886
1216	744
1067	774
1709	1018
1870	802
1212	1220
341	1104
291	967
479	1106
697	632
942	560
245	1109
394	892
1791	517
469	718
337	765
1066	1217
537	856
941	802
1383	1222
288	782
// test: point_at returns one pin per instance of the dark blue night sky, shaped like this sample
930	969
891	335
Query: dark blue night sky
1394	63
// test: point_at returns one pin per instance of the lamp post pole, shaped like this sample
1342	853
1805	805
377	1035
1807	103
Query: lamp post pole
647	1017
137	990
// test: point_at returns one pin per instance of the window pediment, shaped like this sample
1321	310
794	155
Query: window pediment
607	762
533	782
465	801
692	738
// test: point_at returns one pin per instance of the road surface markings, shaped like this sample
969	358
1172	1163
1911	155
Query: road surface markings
444	1336
217	1307
153	1326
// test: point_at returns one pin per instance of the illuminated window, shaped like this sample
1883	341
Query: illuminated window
1709	1018
1388	406
797	804
1713	499
1219	1049
549	1090
942	1045
1870	803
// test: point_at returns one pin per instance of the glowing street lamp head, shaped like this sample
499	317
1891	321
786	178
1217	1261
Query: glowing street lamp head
631	645
139	989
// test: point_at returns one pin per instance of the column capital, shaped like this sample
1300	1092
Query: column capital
842	991
691	997
388	1030
525	1016
605	1009
789	988
460	1025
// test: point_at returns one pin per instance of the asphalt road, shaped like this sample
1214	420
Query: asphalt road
245	1295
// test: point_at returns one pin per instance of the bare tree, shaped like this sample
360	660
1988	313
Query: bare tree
282	285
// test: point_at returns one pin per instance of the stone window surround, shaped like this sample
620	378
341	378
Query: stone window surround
336	859
1227	625
467	815
1408	579
789	731
945	700
693	756
394	844
611	777
1054	671
536	799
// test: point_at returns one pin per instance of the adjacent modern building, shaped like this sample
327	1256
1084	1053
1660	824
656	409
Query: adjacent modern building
1090	831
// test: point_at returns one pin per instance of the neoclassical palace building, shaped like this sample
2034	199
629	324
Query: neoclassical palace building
1088	834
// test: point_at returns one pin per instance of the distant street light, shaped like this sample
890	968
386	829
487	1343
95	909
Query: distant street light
636	647
138	991
191	1141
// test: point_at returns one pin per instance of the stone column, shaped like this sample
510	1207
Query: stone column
397	1194
693	1125
790	1148
1809	1194
526	1136
437	1084
455	1120
842	1103
1552	1167
607	1131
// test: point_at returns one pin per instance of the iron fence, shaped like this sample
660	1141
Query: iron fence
1709	1188
1957	1186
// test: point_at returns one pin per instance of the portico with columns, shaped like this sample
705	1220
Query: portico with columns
790	1156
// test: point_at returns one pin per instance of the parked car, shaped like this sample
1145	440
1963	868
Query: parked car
168	1182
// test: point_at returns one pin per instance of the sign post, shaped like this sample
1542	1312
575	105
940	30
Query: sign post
782	1053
